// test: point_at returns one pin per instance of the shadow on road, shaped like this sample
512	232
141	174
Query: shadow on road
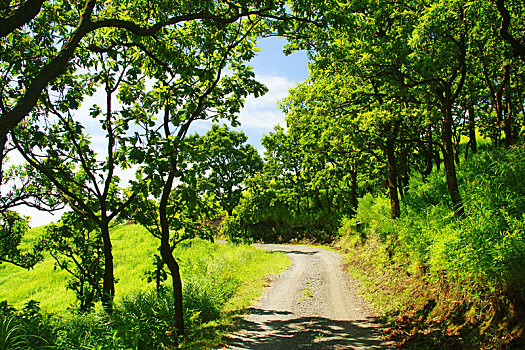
306	333
297	252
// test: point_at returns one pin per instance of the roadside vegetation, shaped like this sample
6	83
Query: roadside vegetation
440	281
220	280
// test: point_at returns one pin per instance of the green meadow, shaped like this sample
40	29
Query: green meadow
220	280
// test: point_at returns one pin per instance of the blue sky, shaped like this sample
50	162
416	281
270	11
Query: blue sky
279	73
258	117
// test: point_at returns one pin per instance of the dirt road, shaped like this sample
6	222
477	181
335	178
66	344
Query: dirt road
312	305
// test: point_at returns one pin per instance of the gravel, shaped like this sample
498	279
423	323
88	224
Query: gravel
312	305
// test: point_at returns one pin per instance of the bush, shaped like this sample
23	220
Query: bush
268	219
375	214
485	249
143	320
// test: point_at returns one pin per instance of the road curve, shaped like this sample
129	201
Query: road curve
312	305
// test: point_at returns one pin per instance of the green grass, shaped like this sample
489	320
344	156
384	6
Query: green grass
220	281
133	248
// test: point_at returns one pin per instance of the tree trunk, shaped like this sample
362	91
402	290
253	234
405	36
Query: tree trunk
317	200
173	266
108	284
404	177
328	199
395	210
167	255
353	190
472	131
433	153
507	121
3	144
448	159
157	277
427	154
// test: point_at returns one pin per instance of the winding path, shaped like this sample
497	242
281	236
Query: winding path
312	305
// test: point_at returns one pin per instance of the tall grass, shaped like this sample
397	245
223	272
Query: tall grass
219	280
485	249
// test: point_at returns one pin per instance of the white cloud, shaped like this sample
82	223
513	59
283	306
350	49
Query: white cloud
263	112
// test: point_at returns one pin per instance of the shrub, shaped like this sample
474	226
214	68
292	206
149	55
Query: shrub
144	320
375	214
485	249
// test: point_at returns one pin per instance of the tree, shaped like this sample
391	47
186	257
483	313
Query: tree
43	44
322	113
12	229
76	245
191	87
284	166
61	150
225	162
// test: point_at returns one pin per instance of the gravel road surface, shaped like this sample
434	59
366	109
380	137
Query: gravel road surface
312	305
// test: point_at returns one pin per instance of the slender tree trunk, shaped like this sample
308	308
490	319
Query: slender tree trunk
404	177
507	121
395	210
108	283
353	190
472	130
167	254
317	200
433	153
3	144
448	159
456	139
427	154
157	277
328	200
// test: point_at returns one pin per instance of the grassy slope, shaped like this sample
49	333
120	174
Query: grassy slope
133	248
427	310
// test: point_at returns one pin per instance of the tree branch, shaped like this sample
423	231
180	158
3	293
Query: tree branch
23	15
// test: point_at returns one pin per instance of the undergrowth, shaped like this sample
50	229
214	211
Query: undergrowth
219	280
444	281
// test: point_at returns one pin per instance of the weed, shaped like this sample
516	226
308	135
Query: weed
12	334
